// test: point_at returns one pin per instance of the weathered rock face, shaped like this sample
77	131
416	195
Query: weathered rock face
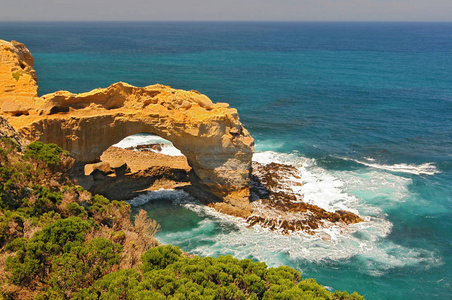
8	132
18	86
218	148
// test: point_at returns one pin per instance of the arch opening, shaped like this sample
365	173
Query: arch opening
138	163
148	142
218	148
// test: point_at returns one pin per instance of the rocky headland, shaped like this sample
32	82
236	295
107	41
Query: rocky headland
217	167
274	203
217	147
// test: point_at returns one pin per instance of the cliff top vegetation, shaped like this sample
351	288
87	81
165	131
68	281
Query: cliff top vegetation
58	241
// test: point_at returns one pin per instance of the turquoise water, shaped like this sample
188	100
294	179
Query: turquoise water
363	109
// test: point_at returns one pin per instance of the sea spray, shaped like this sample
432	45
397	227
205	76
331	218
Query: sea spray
213	233
428	168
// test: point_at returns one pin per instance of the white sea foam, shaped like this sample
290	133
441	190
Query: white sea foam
383	190
169	150
367	193
318	186
266	157
147	139
422	169
218	234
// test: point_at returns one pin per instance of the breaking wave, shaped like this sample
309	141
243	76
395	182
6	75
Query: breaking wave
422	169
367	193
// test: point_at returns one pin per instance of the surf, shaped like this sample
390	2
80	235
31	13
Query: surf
367	192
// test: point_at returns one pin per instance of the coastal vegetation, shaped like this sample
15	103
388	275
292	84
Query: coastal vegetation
58	241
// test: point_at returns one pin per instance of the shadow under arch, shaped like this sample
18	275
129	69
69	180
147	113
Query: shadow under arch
137	164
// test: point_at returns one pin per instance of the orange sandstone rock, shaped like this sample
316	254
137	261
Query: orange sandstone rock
18	86
218	148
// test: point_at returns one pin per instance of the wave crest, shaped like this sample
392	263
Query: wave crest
368	192
422	169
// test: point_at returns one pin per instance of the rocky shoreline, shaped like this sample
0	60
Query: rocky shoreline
125	173
279	208
218	150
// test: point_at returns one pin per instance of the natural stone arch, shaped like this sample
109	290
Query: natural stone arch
218	148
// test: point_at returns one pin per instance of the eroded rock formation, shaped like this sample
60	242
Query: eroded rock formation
18	85
218	148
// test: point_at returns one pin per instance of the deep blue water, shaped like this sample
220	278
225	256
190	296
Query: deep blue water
367	108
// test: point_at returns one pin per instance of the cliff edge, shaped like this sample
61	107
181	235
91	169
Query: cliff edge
217	147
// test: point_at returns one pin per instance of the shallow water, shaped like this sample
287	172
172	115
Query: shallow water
364	110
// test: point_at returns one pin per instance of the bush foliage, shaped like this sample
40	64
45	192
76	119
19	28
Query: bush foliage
168	274
45	153
60	242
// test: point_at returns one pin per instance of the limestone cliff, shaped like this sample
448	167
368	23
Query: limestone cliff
18	86
218	148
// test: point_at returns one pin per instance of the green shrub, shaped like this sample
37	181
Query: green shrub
50	294
47	218
11	227
169	275
338	295
282	275
62	233
111	213
160	257
76	210
84	264
12	192
33	257
117	285
317	290
47	200
254	284
46	153
118	237
7	145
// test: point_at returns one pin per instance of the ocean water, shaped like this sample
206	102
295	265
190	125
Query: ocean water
364	110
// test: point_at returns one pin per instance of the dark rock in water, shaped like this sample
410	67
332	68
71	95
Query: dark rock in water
279	208
147	147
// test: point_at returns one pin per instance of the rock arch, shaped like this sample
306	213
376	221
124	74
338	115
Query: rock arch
218	148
